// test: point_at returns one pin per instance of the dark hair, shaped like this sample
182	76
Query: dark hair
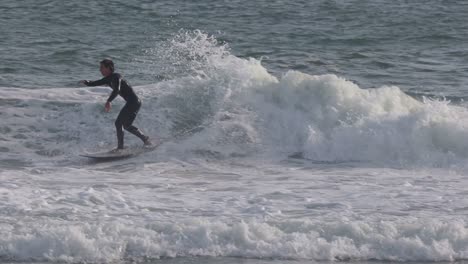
108	64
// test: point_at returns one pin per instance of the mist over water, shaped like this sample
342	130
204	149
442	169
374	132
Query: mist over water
293	132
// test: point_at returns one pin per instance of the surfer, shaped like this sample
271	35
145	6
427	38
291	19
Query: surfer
129	112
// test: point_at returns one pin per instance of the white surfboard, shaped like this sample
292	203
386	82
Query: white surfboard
120	154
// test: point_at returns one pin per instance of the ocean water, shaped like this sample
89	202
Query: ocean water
293	132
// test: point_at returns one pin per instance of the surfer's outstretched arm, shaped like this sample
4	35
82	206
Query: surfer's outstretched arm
103	81
113	80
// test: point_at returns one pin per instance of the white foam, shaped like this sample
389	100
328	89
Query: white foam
113	241
329	118
247	110
135	210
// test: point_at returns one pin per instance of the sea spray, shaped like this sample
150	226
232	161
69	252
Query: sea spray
236	108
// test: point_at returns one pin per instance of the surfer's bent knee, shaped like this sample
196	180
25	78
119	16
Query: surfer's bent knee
118	124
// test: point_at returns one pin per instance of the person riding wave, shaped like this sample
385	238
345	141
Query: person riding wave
133	104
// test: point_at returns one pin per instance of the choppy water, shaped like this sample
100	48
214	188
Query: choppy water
294	132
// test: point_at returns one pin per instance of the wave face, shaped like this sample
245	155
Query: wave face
232	106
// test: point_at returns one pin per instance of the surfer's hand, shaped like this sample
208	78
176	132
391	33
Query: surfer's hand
107	107
85	82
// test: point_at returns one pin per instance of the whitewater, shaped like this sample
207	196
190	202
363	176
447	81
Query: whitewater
296	167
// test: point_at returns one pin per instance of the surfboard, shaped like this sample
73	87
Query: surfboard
120	154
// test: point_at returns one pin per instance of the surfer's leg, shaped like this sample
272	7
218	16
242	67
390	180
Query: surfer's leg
131	115
119	123
120	136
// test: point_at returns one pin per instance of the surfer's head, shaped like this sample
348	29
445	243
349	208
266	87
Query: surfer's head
107	67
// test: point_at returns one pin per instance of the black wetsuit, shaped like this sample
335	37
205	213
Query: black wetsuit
129	112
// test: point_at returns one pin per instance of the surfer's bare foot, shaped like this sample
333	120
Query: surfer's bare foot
147	141
116	150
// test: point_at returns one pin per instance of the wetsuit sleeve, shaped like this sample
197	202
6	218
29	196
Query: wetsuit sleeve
115	85
101	82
